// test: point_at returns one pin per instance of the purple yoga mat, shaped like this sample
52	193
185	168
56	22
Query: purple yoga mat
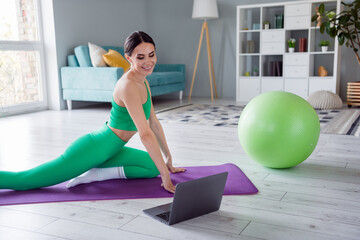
237	184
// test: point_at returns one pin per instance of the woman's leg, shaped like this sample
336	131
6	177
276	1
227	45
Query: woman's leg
85	153
136	163
127	163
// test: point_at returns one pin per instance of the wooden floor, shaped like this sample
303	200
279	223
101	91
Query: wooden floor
319	199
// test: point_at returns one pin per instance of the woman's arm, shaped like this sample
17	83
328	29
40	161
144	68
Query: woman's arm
156	127
131	97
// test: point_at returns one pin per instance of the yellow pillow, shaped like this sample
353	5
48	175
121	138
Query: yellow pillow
115	59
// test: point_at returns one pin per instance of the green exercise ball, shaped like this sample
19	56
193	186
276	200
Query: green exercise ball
278	129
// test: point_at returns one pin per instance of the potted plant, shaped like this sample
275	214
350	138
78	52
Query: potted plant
291	44
345	25
324	45
266	25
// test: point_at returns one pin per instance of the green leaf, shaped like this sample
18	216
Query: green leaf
344	19
347	35
357	5
341	38
327	27
354	14
331	14
333	32
321	8
348	17
322	27
313	19
357	25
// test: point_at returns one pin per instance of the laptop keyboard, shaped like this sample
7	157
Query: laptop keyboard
165	216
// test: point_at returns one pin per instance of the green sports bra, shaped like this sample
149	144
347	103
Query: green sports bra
120	117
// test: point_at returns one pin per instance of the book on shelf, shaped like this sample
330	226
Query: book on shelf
275	68
302	45
271	68
250	46
278	69
279	21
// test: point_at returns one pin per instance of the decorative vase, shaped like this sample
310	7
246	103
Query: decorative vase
324	48
267	26
291	50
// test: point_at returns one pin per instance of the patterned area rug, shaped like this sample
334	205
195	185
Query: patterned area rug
339	121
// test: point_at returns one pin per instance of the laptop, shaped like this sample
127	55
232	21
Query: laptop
192	199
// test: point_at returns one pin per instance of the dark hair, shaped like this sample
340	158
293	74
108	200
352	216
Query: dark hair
134	39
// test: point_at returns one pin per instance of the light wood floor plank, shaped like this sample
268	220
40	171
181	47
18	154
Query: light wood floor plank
181	231
85	214
295	209
308	190
7	233
283	219
22	220
82	231
319	183
323	202
267	231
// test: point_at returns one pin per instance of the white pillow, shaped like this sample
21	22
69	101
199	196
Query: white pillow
96	55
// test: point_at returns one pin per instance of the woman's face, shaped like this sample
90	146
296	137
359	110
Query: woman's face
143	58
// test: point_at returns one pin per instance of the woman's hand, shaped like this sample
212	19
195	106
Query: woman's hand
167	184
171	168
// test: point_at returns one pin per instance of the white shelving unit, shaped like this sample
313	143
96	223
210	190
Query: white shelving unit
266	50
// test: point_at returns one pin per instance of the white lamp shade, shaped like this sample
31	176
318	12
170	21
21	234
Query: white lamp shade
205	9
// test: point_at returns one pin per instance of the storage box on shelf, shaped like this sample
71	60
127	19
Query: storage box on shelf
278	69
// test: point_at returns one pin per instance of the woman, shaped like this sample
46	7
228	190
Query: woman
103	151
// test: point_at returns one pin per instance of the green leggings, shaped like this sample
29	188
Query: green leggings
100	149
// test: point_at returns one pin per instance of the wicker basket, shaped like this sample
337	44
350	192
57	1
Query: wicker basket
353	93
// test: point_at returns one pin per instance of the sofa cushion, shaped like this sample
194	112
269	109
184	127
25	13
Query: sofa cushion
116	48
72	61
115	59
164	78
83	55
96	55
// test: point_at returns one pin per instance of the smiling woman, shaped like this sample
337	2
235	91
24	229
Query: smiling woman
21	57
144	58
101	154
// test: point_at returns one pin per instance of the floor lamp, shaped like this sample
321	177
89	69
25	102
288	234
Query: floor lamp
205	9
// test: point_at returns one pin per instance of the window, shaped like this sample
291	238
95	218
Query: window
22	86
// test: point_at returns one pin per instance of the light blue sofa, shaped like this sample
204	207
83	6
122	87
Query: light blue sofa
83	82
